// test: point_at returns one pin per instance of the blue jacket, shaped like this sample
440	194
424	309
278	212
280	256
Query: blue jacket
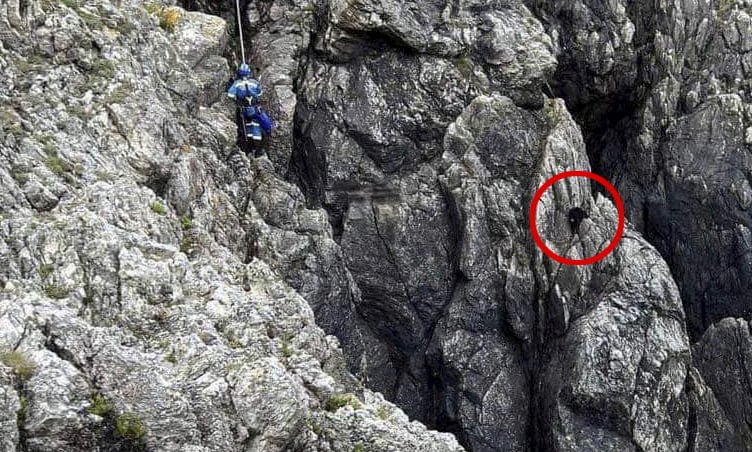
245	87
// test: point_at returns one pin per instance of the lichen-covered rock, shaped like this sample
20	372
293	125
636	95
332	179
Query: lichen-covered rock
136	312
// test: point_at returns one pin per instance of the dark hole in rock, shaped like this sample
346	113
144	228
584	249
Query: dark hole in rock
576	215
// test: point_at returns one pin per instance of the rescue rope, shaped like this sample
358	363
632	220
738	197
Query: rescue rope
240	30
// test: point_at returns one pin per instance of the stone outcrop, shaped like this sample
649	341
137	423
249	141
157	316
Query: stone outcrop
373	279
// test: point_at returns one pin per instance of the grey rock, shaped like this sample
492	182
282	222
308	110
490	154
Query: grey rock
709	426
10	406
663	76
721	357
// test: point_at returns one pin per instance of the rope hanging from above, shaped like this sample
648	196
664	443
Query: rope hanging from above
240	31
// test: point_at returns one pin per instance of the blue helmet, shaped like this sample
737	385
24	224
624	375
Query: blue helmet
244	70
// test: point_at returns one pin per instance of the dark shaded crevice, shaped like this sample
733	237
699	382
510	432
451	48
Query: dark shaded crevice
307	167
691	416
390	254
23	7
157	181
222	9
24	396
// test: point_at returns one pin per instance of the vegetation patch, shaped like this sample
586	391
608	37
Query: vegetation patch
100	406
10	122
464	65
48	143
54	163
120	94
20	175
158	207
103	68
382	413
130	426
724	6
337	401
186	222
45	270
56	291
92	20
187	245
73	4
169	19
286	349
22	411
21	365
171	357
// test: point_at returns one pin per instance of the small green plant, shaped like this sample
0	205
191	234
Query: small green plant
169	18
158	208
337	401
315	427
45	270
73	4
25	66
78	111
125	27
15	130
21	365
464	65
153	8
103	68
56	291
49	147
130	426
186	222
171	357
724	6
20	175
382	414
92	20
358	448
22	411
286	350
120	94
100	406
187	245
55	164
235	344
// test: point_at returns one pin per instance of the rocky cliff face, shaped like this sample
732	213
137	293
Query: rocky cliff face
136	313
162	291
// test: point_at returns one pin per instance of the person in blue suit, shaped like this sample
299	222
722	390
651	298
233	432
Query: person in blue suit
246	90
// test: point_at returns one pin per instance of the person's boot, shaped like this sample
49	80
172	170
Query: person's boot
258	152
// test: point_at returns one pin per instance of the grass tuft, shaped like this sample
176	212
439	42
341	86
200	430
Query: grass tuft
158	208
337	401
56	291
169	19
100	406
20	364
130	426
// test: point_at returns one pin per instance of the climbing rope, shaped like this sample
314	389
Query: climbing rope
240	30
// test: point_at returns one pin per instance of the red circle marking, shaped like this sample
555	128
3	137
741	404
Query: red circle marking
619	209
